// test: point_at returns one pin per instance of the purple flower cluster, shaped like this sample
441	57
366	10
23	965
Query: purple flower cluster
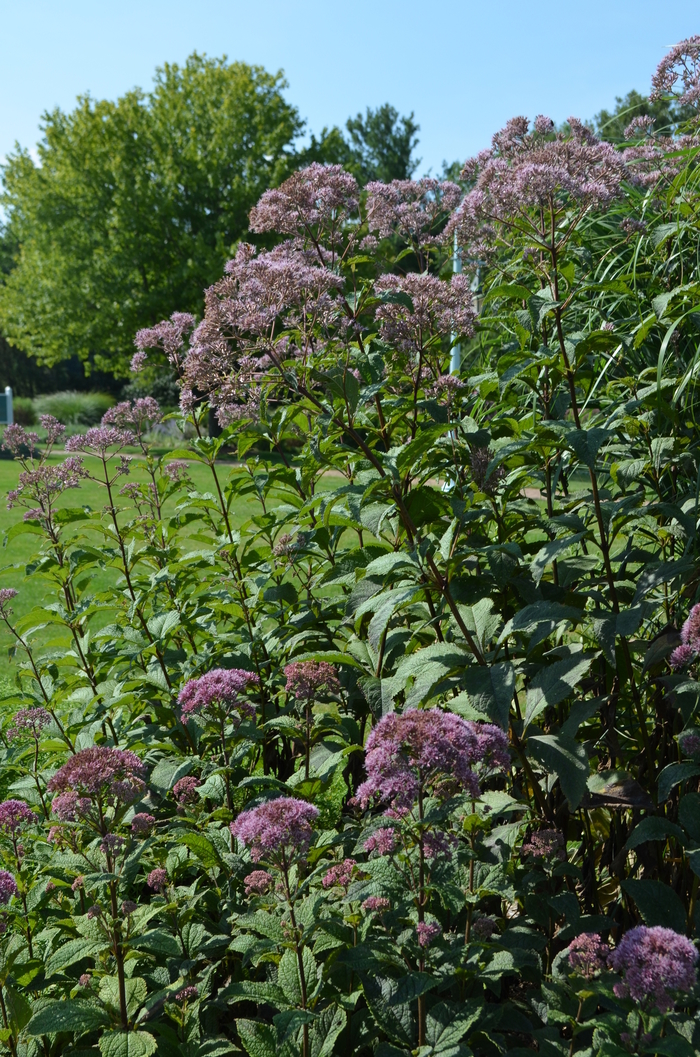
383	841
690	641
257	882
28	719
479	460
98	439
157	879
654	962
6	594
185	790
276	828
439	309
17	440
483	928
142	823
313	200
340	874
8	887
98	773
412	209
543	844
588	954
38	487
220	688
306	678
681	64
427	933
15	816
138	414
431	749
188	994
376	904
169	335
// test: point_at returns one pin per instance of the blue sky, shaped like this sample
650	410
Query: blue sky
463	67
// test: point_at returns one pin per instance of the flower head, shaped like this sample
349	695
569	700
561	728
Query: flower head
306	678
340	874
15	439
682	64
188	994
543	844
6	593
157	879
383	841
168	335
427	933
319	197
142	823
98	439
682	656
257	882
128	907
483	927
15	816
185	790
96	774
376	904
430	748
431	309
588	954
8	887
277	827
138	414
654	962
220	688
28	720
412	209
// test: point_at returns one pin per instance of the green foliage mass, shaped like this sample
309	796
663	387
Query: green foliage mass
506	559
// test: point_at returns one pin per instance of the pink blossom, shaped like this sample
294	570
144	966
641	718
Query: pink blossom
483	928
690	743
6	593
128	907
654	962
176	470
142	823
98	439
318	197
376	904
15	816
157	879
78	883
187	994
438	309
427	933
682	656
383	841
588	954
276	828
681	64
411	209
543	844
43	483
427	748
221	687
185	790
138	414
84	980
138	362
8	887
112	844
340	874
257	882
93	775
168	335
306	678
28	719
16	439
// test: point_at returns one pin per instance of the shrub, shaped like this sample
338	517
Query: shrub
72	408
408	762
23	411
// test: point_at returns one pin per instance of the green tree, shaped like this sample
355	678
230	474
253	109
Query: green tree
382	144
135	205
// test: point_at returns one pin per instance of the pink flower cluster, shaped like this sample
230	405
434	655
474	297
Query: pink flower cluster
6	594
654	962
185	790
169	335
316	199
98	439
588	954
340	874
412	209
427	933
157	879
220	688
15	816
439	309
96	774
138	414
43	483
8	887
681	64
142	823
431	749
376	904
543	844
306	678
383	841
257	882
690	641
28	719
276	828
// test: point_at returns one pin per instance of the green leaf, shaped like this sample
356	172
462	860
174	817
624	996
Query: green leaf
288	975
74	951
657	903
689	815
257	991
18	1008
490	691
158	941
554	683
135	988
326	1029
672	1046
608	626
445	1027
653	827
202	848
567	759
70	1014
586	444
550	552
411	986
260	1040
395	1021
127	1044
672	775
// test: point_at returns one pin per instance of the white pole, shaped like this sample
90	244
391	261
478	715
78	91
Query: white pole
456	357
9	415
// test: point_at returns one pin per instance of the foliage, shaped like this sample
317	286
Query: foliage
409	762
74	409
382	145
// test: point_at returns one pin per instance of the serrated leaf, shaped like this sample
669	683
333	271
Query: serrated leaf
554	683
288	975
260	1040
70	1014
127	1044
202	848
73	951
567	759
653	827
326	1029
657	903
